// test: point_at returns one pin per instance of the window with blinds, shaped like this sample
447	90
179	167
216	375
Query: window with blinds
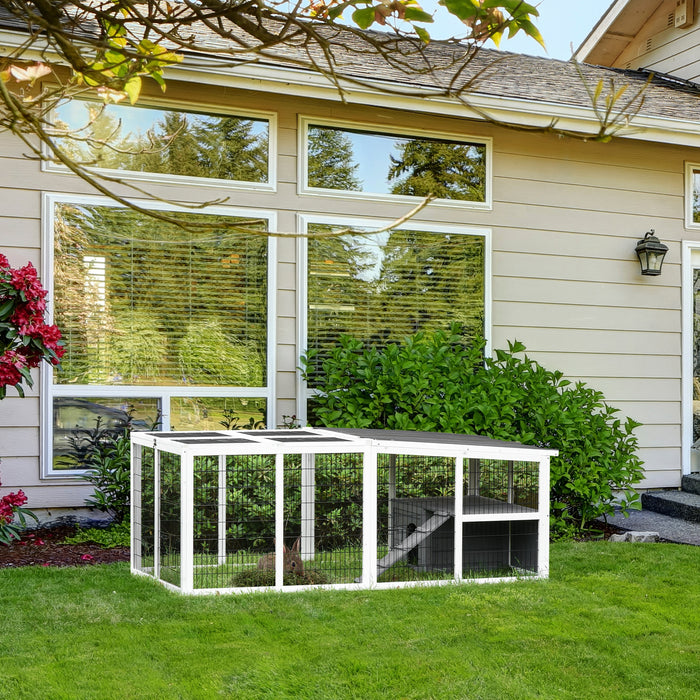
144	302
363	161
380	288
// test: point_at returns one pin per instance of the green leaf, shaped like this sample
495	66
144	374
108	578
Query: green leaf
423	34
462	9
416	14
132	88
363	18
6	306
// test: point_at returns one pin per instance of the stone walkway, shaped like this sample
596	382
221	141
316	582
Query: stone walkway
669	529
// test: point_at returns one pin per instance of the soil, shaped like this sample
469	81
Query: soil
45	547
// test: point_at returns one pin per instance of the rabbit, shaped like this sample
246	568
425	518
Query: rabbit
292	561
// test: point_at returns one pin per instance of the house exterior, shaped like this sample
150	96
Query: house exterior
660	36
538	238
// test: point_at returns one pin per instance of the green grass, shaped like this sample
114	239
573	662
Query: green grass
613	621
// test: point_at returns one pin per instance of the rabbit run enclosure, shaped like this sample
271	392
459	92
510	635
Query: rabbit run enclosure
238	511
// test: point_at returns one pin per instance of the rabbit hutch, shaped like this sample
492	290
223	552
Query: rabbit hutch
239	511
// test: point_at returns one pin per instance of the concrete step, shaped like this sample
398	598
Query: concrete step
676	504
691	483
669	529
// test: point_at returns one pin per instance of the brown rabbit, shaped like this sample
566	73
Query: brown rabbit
292	561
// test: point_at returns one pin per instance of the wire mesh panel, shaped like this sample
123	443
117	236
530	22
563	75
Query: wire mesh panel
169	520
329	488
234	521
493	486
206	521
415	517
499	549
144	512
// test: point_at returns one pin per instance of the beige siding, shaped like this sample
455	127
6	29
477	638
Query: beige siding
566	217
661	47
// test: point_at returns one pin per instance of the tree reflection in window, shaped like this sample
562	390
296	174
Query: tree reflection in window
174	142
362	161
143	302
380	288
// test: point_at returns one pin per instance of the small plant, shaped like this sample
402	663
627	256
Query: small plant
116	535
256	577
11	507
290	422
106	455
232	419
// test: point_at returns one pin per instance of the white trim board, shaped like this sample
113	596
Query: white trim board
690	253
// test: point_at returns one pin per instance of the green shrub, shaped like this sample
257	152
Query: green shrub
115	535
434	382
106	455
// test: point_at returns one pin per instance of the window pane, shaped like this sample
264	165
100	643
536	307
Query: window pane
362	161
696	196
382	287
144	302
146	139
220	413
77	420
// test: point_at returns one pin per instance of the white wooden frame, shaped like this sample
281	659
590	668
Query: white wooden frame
409	201
690	253
163	394
466	448
189	180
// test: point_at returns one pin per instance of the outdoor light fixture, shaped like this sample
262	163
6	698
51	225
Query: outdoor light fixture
651	252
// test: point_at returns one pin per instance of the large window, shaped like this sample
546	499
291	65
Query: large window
158	319
382	287
361	162
233	149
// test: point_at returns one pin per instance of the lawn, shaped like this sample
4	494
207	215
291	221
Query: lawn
613	621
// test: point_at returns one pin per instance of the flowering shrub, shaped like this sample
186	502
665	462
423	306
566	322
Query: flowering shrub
11	506
25	340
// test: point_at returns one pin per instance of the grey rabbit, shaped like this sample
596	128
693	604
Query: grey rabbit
292	560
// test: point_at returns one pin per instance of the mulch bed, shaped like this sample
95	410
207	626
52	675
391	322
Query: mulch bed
44	547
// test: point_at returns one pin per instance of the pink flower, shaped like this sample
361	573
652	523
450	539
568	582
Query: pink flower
87	557
25	339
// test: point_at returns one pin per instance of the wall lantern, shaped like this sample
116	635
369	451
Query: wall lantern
651	252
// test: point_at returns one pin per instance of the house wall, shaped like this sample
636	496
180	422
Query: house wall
660	46
565	219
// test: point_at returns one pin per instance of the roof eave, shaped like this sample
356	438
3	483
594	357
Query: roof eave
600	29
509	110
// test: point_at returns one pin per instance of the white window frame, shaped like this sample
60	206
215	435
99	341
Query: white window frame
164	394
305	220
51	166
408	200
689	168
690	251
